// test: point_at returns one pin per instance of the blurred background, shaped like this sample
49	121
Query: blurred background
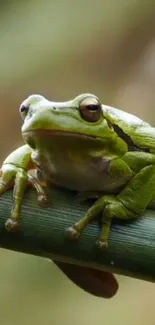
61	48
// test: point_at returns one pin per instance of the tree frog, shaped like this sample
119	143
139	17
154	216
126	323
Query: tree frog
84	146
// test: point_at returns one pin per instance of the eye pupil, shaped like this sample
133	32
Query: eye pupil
91	109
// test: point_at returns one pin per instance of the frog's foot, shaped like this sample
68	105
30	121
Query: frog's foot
42	198
19	178
72	233
101	244
16	177
43	201
111	207
12	225
75	230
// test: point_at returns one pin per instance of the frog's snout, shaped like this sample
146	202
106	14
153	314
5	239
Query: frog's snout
23	108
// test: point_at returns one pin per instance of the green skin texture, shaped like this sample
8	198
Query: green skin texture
88	157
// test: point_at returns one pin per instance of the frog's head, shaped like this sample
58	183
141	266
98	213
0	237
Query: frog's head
81	117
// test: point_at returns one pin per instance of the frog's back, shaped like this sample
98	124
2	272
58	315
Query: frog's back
141	133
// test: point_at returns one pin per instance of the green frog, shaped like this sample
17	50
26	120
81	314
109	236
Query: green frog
96	150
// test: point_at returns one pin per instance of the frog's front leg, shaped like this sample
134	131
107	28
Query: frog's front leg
129	203
14	173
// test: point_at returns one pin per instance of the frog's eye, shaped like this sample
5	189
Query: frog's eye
90	109
23	110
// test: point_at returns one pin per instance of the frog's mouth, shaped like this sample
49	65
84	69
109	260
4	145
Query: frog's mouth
59	139
54	133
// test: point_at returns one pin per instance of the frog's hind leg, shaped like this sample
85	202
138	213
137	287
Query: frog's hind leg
151	205
130	203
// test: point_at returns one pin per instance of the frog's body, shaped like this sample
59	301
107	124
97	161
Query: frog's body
87	147
71	164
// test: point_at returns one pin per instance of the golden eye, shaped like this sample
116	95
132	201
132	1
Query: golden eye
90	109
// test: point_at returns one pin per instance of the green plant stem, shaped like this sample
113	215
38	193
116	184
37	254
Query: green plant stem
131	249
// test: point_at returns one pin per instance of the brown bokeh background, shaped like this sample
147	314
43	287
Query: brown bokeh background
61	48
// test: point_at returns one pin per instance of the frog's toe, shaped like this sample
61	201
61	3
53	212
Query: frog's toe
12	225
43	201
102	245
72	233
